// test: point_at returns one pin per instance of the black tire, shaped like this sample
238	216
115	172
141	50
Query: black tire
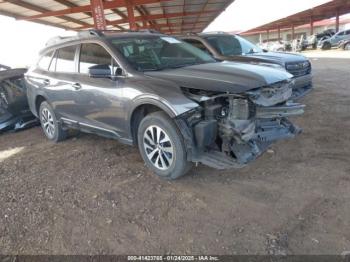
347	46
326	46
179	165
58	134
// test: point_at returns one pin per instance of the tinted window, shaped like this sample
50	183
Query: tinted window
159	52
347	32
229	45
197	44
45	60
65	59
93	54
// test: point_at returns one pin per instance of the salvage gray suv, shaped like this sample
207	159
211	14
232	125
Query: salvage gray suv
174	101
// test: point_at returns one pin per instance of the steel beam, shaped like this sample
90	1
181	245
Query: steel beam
153	17
131	16
98	14
337	21
267	35
43	10
87	8
311	25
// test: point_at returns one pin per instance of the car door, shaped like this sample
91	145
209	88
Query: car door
99	100
337	38
60	91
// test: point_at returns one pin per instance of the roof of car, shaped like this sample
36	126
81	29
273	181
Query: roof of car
97	34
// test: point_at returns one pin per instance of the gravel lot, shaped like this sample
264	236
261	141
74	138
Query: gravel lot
90	195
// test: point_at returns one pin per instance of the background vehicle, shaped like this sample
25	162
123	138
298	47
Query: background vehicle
313	40
235	48
275	46
14	110
171	99
333	41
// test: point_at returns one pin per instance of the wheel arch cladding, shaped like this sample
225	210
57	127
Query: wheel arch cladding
142	110
38	100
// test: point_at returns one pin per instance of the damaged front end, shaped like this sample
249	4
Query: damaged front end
230	130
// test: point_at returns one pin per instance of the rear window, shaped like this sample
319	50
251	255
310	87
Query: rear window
65	59
45	60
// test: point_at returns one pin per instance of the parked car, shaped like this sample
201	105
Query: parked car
229	47
14	109
344	44
314	39
276	46
334	41
174	101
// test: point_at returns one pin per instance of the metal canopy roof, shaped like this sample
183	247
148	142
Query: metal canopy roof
321	12
168	16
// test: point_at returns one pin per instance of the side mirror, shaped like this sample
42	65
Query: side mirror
100	71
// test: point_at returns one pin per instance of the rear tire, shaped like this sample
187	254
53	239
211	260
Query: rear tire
162	146
347	47
326	46
51	127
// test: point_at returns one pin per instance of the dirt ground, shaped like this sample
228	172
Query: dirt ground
90	195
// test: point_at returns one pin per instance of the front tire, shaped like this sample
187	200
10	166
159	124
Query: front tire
162	147
326	46
51	127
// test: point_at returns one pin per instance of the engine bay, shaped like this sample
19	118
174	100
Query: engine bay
240	127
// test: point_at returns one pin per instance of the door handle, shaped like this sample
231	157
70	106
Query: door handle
46	81
76	86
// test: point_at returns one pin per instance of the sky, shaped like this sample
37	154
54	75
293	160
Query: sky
21	41
243	15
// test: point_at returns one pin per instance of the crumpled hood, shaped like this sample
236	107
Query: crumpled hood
223	76
277	57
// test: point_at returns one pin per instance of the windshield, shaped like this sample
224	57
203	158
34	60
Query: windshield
148	53
230	45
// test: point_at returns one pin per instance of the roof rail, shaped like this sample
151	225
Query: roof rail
90	32
57	39
216	32
94	32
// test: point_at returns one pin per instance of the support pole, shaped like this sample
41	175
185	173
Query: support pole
293	32
98	14
311	25
337	21
279	33
131	16
268	35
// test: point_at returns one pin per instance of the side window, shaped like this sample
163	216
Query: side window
93	54
197	44
347	32
45	60
65	59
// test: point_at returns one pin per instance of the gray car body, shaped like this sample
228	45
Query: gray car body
115	100
302	83
228	113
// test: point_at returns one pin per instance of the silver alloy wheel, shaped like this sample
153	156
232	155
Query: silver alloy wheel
347	46
48	123
158	147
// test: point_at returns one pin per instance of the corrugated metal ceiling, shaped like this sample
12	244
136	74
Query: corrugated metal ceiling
168	16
